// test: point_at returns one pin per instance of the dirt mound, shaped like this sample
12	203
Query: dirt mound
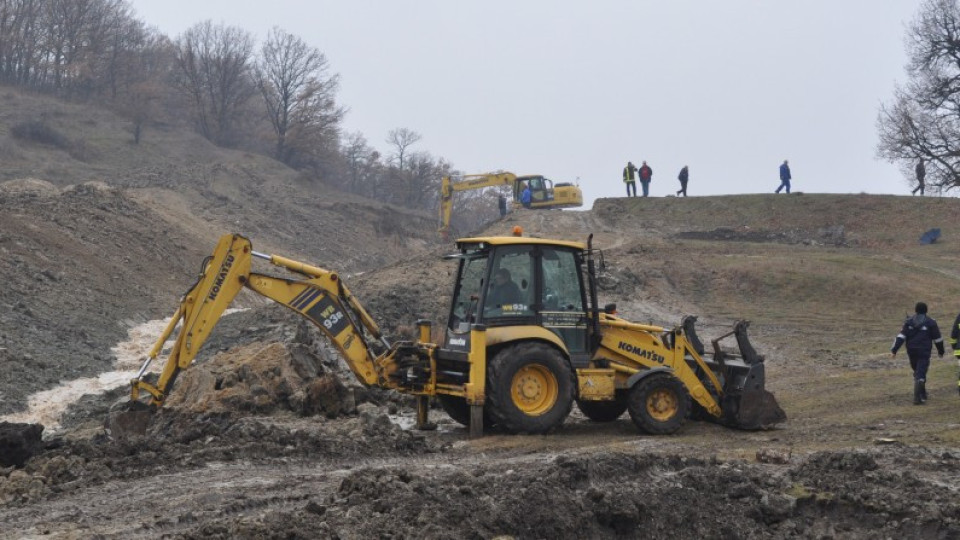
262	378
80	265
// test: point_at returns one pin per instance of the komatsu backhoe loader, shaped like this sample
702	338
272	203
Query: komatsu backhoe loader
524	340
544	194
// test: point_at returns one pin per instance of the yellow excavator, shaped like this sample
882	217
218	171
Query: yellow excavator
544	194
524	340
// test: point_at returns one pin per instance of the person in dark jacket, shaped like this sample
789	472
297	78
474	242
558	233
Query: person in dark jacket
921	175
502	204
920	333
630	178
503	290
646	175
784	177
683	177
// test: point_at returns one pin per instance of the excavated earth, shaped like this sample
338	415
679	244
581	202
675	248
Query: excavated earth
268	434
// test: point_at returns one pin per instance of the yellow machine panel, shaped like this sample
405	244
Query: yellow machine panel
596	384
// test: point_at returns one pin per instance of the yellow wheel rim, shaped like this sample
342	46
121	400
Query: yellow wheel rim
534	390
662	405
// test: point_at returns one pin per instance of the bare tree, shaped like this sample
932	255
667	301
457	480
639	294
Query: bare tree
401	139
923	119
297	91
363	167
213	64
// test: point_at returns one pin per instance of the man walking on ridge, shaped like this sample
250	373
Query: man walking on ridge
919	333
784	177
921	174
630	178
683	177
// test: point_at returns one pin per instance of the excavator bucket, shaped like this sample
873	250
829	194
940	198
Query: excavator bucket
746	403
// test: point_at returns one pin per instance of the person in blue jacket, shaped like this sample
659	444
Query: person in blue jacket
784	177
526	196
920	333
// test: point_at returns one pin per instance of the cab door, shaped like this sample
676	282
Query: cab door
562	305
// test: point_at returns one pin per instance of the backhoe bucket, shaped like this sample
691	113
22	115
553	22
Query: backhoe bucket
746	404
128	419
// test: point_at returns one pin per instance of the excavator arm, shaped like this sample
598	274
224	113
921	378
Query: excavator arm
471	181
319	295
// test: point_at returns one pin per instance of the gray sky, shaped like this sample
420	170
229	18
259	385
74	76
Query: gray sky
573	89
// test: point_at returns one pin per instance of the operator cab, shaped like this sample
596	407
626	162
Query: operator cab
511	281
541	188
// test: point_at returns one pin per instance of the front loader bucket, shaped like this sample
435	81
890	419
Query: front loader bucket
746	403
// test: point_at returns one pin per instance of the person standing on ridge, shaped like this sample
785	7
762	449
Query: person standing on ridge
502	204
921	172
630	178
919	333
683	177
646	175
784	177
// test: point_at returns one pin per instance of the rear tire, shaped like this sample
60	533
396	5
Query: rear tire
529	388
603	411
659	404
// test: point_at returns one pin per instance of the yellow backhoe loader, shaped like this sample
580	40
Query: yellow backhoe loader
524	341
544	194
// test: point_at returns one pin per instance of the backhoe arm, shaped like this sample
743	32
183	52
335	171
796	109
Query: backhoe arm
320	297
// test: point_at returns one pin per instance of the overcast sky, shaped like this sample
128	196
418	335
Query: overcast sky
574	89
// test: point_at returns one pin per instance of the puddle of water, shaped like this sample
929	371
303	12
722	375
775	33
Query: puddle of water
47	406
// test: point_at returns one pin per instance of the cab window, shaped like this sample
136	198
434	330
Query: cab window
561	284
466	300
509	292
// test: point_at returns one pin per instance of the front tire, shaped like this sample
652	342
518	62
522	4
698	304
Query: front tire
529	388
659	404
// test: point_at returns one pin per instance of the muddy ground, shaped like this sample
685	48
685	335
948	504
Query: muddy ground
269	436
268	439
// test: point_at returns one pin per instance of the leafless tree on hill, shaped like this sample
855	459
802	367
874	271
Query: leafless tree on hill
362	164
402	139
923	119
213	66
298	94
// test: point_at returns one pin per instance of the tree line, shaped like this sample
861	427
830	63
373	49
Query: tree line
922	121
277	96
